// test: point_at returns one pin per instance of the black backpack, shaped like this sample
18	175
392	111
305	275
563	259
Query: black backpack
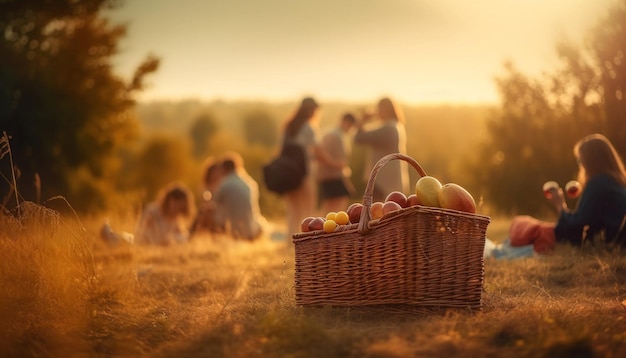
286	172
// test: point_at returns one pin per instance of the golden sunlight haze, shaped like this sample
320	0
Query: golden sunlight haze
417	51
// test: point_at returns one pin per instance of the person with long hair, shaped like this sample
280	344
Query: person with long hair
601	208
386	137
211	178
303	128
600	213
166	220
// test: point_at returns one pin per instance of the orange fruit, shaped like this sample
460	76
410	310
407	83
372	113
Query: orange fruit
342	218
330	226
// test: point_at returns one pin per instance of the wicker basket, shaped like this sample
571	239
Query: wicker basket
418	258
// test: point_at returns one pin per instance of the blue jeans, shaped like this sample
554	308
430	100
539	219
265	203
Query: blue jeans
505	251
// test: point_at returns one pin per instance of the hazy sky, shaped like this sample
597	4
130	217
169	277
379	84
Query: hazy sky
413	50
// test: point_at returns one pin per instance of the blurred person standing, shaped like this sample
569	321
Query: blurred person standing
385	137
237	201
335	187
166	220
302	128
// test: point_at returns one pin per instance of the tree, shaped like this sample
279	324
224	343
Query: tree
511	161
64	108
162	160
260	128
202	129
531	138
608	44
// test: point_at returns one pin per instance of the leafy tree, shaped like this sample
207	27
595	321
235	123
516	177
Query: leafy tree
202	129
260	128
531	138
608	44
162	160
64	108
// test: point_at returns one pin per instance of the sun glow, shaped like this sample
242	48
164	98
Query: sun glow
417	51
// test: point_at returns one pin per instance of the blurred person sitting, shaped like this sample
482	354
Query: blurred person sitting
335	187
166	220
237	201
600	213
211	178
601	209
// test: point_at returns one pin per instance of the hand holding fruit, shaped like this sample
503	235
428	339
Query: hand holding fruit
554	194
573	189
550	188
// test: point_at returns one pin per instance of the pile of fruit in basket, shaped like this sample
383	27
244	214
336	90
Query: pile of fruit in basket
428	192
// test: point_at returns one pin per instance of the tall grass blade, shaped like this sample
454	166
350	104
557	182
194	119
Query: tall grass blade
5	148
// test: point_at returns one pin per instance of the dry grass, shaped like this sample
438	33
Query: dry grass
214	298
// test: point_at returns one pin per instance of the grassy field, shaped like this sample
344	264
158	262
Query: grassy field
66	294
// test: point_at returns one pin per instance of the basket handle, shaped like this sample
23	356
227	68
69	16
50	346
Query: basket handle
369	189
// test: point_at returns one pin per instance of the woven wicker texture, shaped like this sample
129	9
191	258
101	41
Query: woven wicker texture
415	257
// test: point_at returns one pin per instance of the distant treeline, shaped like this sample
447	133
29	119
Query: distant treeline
440	137
74	129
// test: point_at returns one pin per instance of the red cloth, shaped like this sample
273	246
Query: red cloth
526	230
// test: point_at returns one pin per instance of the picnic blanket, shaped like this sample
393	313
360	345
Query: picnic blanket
526	230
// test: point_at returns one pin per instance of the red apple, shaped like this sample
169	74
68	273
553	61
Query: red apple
411	200
376	210
454	196
354	212
572	188
549	188
390	206
398	197
317	224
304	225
